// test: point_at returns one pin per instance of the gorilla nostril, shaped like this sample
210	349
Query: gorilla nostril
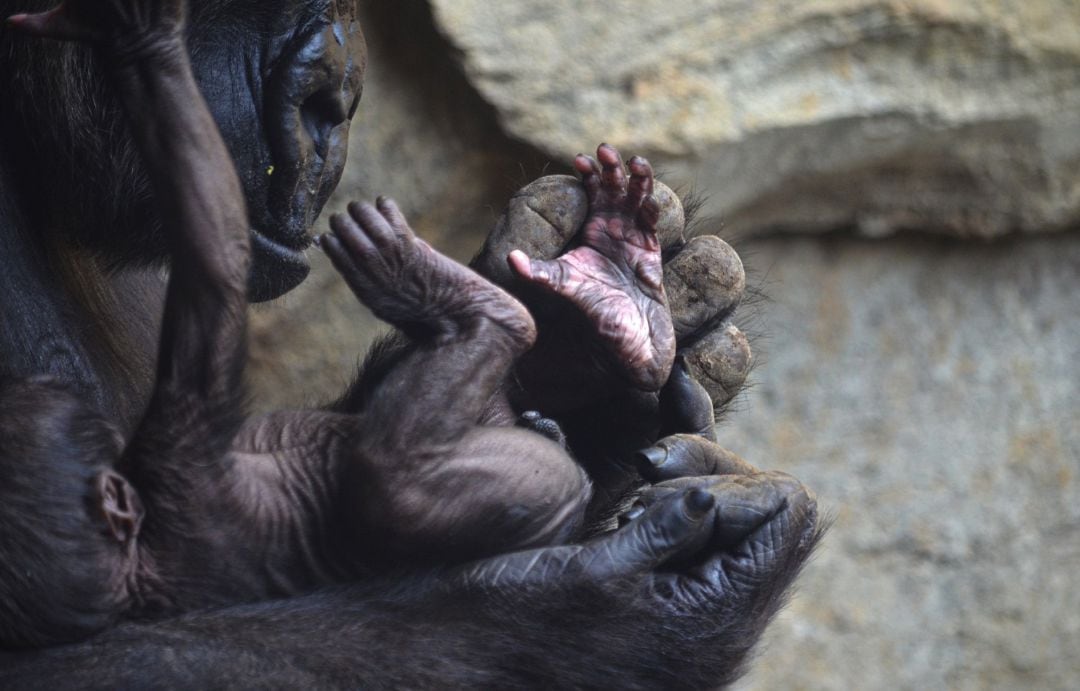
320	113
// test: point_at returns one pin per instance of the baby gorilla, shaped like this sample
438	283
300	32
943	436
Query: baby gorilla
418	467
203	508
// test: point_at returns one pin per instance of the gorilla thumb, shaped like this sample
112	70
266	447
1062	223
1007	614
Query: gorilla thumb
671	528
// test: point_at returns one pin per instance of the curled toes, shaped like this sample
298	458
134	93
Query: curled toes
641	185
720	362
613	180
704	282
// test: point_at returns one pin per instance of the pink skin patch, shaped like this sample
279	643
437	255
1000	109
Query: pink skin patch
615	275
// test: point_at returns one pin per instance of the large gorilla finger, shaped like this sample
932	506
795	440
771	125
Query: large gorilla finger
689	455
673	527
704	282
743	505
693	520
685	405
721	361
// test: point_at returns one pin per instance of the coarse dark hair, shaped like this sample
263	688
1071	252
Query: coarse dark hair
56	583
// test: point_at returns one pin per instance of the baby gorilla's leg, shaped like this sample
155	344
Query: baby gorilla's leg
495	490
465	331
421	470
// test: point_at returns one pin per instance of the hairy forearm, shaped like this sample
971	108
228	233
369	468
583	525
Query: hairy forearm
412	635
191	171
198	395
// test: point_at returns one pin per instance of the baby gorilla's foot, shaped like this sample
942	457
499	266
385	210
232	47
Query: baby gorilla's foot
536	422
615	275
408	284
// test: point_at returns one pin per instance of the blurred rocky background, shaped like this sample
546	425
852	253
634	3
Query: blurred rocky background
902	179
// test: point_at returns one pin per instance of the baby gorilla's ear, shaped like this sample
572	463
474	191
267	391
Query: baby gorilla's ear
120	506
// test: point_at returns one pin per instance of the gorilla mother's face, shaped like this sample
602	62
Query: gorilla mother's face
283	79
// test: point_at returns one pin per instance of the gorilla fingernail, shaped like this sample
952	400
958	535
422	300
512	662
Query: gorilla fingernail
654	456
698	502
634	512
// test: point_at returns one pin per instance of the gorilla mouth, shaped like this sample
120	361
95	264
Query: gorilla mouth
291	246
276	266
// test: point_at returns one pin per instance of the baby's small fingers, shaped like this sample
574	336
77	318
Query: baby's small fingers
351	238
371	222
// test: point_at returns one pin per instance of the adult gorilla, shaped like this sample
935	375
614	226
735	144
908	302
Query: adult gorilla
81	292
678	596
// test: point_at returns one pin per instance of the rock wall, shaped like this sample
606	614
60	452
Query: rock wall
929	391
926	385
951	115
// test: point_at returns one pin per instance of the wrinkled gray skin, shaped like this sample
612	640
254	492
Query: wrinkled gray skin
201	508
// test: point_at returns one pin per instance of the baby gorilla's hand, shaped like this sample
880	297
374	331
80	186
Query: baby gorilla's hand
615	275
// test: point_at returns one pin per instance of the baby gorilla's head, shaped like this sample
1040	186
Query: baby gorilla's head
64	555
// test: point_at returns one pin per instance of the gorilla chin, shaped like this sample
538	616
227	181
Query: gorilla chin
275	268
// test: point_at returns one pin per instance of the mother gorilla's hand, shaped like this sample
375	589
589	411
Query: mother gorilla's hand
569	375
678	596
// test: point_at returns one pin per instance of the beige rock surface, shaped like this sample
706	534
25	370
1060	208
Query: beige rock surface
929	391
961	116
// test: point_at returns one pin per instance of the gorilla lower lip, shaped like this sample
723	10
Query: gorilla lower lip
276	268
289	246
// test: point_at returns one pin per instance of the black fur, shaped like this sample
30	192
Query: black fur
59	446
